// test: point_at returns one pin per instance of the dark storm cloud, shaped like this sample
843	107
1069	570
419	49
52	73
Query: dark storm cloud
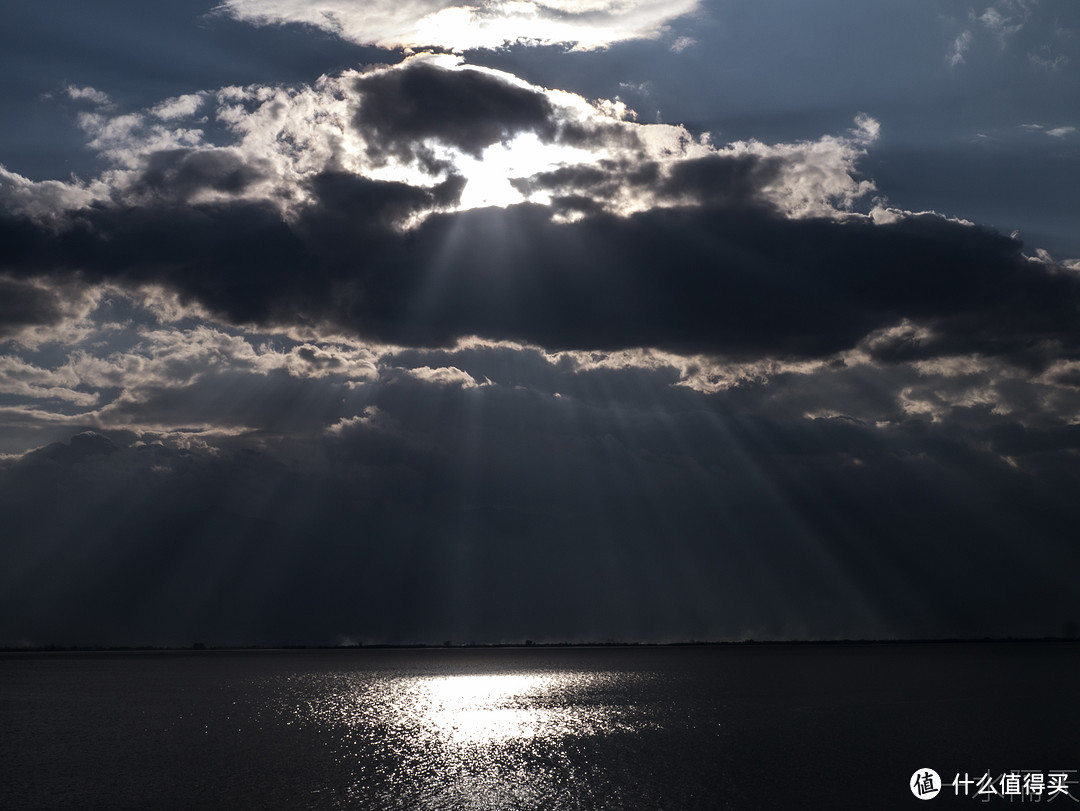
222	251
467	109
715	180
721	180
401	110
1016	439
348	203
319	359
238	258
23	304
179	174
81	447
716	278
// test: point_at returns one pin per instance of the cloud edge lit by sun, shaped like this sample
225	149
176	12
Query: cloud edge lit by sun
577	24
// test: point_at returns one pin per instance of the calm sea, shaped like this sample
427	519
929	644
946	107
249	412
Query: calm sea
741	727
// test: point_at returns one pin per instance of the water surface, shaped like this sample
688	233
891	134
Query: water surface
735	727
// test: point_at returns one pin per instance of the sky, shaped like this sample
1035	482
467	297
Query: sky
329	322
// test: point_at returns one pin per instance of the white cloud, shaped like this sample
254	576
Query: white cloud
1006	17
178	107
131	377
23	379
90	94
45	199
815	178
352	363
1061	132
1047	59
125	139
165	305
368	417
682	43
960	46
443	376
1001	18
277	139
583	24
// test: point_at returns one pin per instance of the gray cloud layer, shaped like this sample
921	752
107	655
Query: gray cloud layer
732	280
682	391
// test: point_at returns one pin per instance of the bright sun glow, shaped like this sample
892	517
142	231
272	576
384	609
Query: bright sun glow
489	178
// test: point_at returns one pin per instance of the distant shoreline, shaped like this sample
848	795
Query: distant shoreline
527	645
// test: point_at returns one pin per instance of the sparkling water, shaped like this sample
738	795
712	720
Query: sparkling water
744	726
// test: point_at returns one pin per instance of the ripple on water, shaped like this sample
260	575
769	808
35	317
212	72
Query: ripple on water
522	740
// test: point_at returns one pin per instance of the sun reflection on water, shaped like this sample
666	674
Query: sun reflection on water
470	710
469	740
